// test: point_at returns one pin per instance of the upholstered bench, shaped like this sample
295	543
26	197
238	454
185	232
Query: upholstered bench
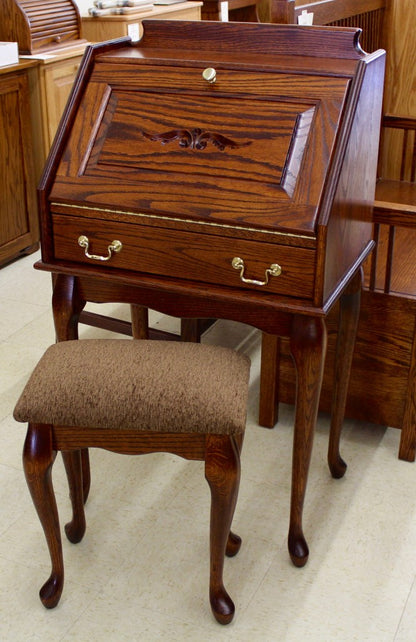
135	397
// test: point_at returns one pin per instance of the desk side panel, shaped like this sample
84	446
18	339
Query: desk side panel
349	228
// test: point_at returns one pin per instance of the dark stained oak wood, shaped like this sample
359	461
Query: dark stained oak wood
67	307
237	10
222	472
221	454
274	163
382	382
272	385
394	209
19	227
269	380
349	310
38	457
308	348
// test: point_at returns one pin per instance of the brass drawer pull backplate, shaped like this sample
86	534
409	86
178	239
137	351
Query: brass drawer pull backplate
114	247
273	270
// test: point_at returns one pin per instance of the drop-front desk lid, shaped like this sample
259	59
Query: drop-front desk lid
221	133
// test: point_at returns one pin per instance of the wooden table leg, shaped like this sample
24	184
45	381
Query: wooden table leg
269	380
308	347
349	312
67	305
139	321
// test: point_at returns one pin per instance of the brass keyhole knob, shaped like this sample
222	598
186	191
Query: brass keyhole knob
209	74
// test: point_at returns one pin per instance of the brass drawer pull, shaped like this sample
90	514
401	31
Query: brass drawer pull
114	247
273	270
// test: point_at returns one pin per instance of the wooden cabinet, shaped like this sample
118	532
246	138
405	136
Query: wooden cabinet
33	95
56	75
40	25
109	27
19	228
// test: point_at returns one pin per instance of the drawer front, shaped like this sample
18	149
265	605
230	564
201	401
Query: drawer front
187	255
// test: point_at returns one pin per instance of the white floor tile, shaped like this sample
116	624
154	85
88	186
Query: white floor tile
407	627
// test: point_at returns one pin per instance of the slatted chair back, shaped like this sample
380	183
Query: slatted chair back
395	208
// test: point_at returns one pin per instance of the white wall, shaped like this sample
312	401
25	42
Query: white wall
83	6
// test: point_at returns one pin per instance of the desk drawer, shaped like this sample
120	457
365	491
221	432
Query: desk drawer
185	254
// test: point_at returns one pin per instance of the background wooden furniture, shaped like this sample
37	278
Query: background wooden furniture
386	23
108	27
234	10
368	15
56	74
40	25
19	227
33	96
400	74
382	385
395	233
383	376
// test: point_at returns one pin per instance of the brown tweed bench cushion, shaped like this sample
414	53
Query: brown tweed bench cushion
135	397
141	385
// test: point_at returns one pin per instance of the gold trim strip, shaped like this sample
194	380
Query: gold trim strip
184	220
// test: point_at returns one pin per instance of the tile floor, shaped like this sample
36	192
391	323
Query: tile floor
141	571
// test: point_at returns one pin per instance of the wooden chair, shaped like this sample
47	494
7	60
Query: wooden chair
382	387
394	216
395	201
135	397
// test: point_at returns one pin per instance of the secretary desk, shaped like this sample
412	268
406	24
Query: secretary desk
222	170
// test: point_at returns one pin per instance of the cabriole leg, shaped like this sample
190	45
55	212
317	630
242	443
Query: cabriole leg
349	312
86	473
308	347
222	471
75	529
38	458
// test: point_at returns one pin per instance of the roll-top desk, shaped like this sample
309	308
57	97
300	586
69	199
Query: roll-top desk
222	171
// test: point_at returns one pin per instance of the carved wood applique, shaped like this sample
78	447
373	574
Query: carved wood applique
194	139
